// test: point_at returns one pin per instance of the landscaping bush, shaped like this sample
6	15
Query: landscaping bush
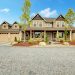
19	41
47	40
16	40
61	41
34	40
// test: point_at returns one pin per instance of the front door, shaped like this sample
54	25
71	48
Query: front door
54	36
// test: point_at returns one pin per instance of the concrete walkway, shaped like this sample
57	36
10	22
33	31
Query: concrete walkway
5	44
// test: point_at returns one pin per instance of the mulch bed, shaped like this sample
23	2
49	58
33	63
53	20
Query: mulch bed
72	43
26	44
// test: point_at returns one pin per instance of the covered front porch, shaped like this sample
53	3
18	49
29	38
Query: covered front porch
49	35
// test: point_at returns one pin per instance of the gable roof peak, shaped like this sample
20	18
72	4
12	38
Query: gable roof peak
38	17
5	22
15	22
60	18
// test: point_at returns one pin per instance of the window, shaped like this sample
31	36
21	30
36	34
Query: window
60	35
15	26
40	24
37	34
50	25
62	23
58	23
4	26
34	25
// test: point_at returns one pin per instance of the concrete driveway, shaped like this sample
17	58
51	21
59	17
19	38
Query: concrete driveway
5	44
37	61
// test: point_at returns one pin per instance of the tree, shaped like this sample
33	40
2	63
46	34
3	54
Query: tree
25	17
70	17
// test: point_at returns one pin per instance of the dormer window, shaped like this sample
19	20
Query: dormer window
4	26
15	26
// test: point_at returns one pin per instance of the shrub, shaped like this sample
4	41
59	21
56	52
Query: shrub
34	40
61	41
17	40
67	40
46	39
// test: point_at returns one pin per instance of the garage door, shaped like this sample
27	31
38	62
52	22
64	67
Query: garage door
4	38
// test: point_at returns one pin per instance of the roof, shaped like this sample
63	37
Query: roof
50	19
39	17
9	30
15	22
60	18
5	22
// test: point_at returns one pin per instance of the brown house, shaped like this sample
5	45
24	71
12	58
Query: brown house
41	28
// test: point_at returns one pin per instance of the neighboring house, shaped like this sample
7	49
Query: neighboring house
9	32
41	28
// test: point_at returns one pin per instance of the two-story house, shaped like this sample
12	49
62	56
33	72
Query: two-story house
49	27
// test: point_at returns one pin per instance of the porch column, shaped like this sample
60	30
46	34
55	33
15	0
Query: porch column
57	35
30	34
44	35
33	34
20	35
9	39
70	35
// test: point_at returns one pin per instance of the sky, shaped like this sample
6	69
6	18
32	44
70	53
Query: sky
10	10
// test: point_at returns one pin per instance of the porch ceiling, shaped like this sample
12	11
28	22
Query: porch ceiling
50	29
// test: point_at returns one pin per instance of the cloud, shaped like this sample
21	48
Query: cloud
5	10
33	14
47	13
